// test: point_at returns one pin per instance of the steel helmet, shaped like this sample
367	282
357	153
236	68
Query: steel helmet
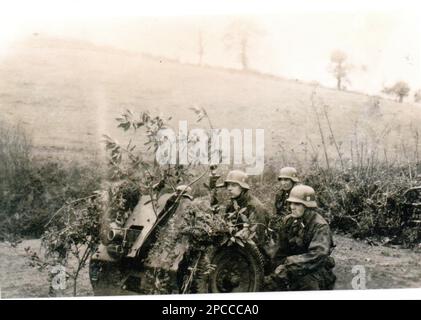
288	173
237	176
303	194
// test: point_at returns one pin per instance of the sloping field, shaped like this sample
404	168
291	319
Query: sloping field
67	94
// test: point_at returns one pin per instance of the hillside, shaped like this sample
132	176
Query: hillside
67	93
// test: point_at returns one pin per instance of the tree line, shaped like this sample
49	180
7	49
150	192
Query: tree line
242	33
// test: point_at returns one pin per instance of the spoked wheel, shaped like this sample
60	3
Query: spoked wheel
237	269
105	278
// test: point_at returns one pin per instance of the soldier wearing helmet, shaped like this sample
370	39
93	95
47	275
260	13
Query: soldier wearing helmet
240	197
305	244
288	178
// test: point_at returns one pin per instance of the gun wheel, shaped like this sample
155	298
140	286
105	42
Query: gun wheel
231	269
237	269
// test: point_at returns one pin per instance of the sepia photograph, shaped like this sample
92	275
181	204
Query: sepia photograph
237	148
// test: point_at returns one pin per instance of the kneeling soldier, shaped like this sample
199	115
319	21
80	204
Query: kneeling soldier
305	245
256	213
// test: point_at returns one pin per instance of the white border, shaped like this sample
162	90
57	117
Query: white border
107	8
104	8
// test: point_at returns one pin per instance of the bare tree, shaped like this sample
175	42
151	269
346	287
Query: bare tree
400	89
239	35
339	67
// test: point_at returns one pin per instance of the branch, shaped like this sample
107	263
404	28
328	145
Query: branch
333	136
320	129
68	204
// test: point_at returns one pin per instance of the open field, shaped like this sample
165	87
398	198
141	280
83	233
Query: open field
68	93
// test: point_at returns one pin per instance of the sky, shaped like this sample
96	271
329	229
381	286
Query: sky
294	40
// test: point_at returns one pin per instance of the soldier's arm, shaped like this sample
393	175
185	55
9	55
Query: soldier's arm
318	250
260	217
214	197
282	251
275	211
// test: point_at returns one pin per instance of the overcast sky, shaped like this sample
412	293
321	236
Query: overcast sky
383	47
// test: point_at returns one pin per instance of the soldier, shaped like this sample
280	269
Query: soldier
305	245
288	179
239	191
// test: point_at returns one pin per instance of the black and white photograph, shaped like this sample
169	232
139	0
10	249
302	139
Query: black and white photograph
172	150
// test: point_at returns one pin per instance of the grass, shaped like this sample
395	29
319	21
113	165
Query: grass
75	90
32	190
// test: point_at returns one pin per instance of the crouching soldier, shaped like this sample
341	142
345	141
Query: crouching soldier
240	197
305	244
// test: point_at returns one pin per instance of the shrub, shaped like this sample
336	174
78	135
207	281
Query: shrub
32	190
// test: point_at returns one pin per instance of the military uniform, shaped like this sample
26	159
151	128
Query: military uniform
305	245
282	209
256	213
281	204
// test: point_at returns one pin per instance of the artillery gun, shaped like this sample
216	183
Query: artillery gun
155	251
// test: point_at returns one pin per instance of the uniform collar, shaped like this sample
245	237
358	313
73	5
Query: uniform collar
243	199
306	218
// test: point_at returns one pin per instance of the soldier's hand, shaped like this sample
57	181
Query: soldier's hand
270	248
276	282
281	271
270	283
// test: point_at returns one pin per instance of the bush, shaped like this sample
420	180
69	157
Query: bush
364	201
31	191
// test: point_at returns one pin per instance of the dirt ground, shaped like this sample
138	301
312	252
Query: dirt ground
384	267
